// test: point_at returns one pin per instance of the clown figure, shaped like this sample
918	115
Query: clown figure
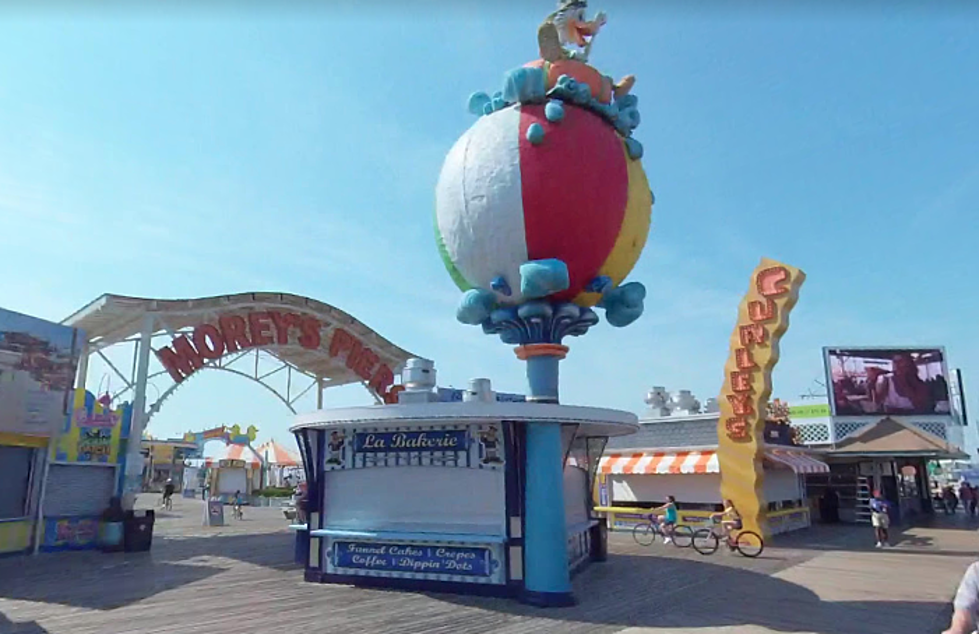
566	34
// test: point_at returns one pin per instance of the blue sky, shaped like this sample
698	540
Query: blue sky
208	152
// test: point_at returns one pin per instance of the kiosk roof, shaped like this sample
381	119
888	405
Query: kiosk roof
594	421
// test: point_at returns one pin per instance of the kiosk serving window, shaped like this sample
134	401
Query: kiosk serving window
16	466
423	499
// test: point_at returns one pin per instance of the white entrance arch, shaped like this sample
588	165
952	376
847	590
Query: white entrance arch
254	335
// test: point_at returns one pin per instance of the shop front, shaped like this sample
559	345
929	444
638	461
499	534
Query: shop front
889	456
37	367
85	471
630	482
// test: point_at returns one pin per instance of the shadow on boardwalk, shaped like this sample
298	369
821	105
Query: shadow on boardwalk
637	591
9	627
106	581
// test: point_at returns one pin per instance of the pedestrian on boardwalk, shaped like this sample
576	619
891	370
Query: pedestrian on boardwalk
974	502
951	500
966	615
966	495
880	519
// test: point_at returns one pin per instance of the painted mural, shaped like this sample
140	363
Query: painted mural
93	432
37	366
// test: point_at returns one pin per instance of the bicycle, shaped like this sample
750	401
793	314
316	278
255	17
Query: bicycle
707	540
168	502
645	534
237	512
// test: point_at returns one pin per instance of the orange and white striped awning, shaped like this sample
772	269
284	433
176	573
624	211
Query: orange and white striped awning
683	462
798	462
660	463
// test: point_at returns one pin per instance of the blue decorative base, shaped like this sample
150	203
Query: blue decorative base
539	321
548	599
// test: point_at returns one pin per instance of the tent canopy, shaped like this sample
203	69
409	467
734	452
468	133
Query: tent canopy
275	454
235	452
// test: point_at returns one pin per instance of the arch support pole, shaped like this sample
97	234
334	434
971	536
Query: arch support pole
134	455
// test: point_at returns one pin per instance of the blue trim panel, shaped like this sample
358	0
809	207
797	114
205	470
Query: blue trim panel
418	585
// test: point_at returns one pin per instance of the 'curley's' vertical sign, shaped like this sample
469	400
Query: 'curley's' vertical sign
762	320
270	328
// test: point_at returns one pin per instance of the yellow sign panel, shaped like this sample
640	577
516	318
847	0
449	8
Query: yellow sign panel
93	433
763	318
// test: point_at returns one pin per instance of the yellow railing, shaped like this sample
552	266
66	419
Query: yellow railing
626	517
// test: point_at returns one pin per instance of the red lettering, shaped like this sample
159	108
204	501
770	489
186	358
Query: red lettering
737	428
744	360
208	341
342	342
741	404
382	380
180	361
354	355
762	311
310	327
391	396
770	281
235	334
281	324
741	381
752	334
365	365
260	327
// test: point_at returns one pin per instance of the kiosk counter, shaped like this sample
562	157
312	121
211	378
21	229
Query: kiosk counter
431	496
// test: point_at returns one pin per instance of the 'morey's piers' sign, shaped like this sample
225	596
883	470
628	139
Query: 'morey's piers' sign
269	329
763	318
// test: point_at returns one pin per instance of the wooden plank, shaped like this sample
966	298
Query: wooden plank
240	578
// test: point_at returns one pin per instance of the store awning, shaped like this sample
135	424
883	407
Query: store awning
798	462
661	463
705	461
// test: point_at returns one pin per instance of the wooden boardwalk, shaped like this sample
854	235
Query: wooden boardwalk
240	579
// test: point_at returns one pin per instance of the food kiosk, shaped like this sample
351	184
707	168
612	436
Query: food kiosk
428	495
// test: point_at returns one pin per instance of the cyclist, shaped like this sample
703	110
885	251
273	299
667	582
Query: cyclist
168	489
730	521
668	522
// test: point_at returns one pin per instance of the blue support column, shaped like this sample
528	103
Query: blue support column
547	580
542	377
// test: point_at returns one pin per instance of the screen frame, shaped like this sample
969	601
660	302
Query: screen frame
918	348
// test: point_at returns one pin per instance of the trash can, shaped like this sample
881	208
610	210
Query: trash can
599	540
301	553
112	527
138	529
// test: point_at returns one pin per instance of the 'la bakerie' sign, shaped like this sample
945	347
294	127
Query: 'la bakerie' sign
269	328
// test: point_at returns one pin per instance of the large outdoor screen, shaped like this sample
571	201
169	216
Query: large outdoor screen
902	381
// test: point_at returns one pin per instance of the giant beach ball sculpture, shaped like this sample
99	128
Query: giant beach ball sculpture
542	209
544	199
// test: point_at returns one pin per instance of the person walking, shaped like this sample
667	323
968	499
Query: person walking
950	499
966	496
974	502
880	519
